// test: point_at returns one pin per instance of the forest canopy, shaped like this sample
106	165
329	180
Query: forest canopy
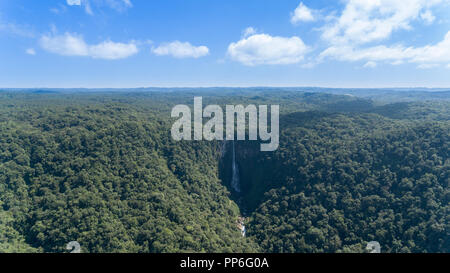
101	168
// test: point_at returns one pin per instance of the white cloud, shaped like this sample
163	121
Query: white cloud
85	3
60	9
427	66
18	30
428	17
119	5
302	14
364	21
74	45
178	49
111	51
397	62
265	49
30	51
248	32
438	53
67	45
74	2
309	65
127	3
370	64
88	8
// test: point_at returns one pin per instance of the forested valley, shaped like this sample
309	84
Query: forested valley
101	168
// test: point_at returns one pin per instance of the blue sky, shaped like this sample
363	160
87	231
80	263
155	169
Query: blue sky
189	43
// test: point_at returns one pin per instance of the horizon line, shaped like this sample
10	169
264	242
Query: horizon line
232	87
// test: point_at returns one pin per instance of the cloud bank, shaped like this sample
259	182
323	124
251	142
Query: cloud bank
364	22
426	57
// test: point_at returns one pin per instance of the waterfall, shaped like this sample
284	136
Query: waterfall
235	183
223	149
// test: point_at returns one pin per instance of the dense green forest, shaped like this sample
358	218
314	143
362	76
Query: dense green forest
101	168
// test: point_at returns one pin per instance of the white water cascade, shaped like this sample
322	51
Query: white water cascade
235	181
236	185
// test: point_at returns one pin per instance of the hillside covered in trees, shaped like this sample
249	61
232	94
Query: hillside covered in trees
101	168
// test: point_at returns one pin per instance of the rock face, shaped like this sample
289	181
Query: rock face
241	225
